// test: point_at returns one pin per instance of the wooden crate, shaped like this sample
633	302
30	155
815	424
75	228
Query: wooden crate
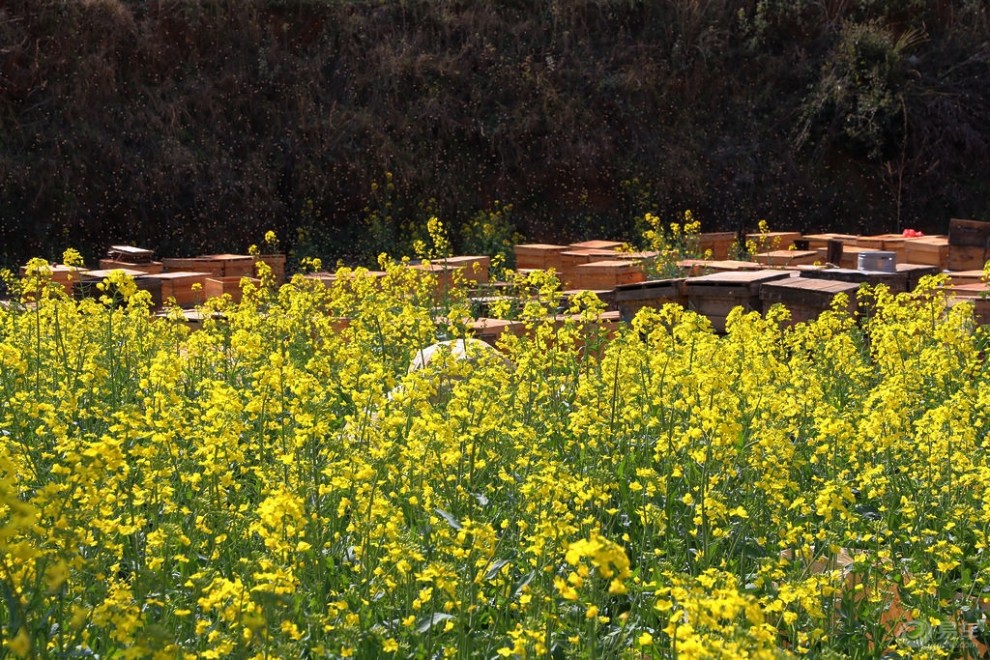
806	297
915	272
66	276
969	244
598	245
781	258
215	287
179	286
540	256
606	274
961	277
491	330
929	250
695	267
217	265
607	296
718	294
630	298
472	268
816	241
895	243
149	267
896	282
130	254
277	264
570	260
773	240
718	243
974	290
86	286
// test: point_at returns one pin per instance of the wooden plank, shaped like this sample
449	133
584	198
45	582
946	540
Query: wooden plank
539	255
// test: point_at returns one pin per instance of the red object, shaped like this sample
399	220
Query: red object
912	233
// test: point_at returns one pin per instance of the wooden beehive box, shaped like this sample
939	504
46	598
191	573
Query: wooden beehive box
130	254
607	296
595	333
781	258
969	244
606	274
695	267
86	286
773	240
816	241
66	276
491	330
717	294
895	243
539	256
719	244
570	260
276	262
217	265
598	245
929	250
148	267
961	277
472	268
896	282
630	298
215	287
915	272
806	297
178	286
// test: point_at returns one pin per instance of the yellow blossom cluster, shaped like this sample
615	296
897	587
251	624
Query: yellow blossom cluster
281	483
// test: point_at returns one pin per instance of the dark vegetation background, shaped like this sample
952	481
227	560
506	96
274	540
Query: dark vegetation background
193	126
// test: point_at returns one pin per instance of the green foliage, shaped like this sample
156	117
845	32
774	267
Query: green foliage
859	100
491	232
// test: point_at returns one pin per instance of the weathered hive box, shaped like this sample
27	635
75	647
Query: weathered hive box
130	254
595	332
598	245
961	277
974	290
929	250
897	282
86	286
719	244
781	258
969	244
540	256
276	262
816	241
216	265
915	272
773	240
607	274
148	267
491	330
806	297
185	288
717	294
215	287
570	260
607	296
695	267
630	298
66	276
895	243
472	268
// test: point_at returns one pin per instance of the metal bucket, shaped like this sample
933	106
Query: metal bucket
878	260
